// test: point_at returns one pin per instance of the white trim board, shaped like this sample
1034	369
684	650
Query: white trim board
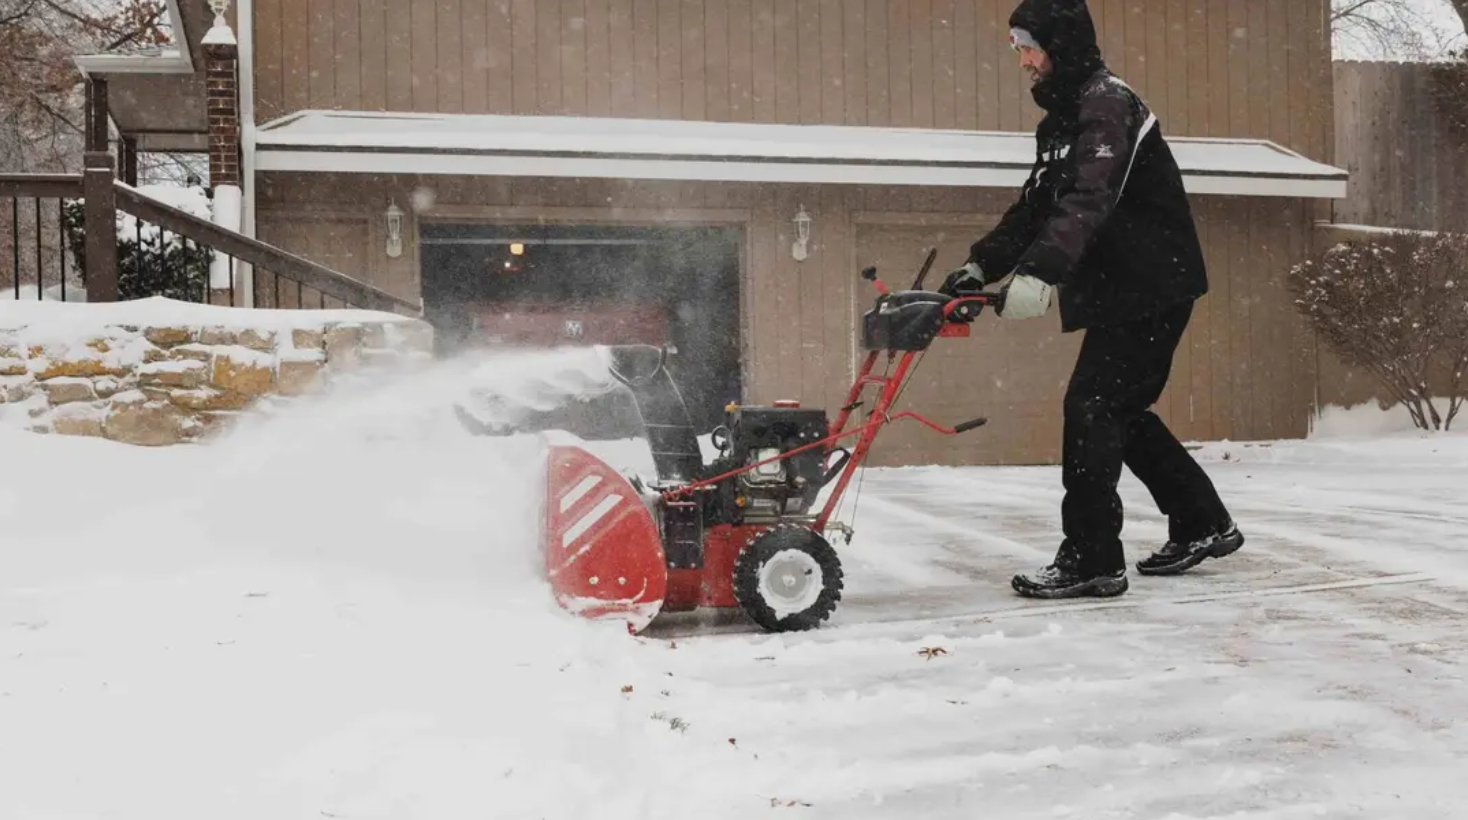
590	147
245	34
349	162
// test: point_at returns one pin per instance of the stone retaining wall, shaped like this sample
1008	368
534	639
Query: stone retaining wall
180	372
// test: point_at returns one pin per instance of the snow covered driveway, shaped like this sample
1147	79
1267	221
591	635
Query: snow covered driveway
340	619
1317	673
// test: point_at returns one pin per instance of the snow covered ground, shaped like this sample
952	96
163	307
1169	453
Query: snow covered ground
335	614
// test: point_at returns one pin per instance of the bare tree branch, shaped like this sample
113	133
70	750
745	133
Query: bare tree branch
41	100
1393	29
1345	11
57	116
147	25
18	15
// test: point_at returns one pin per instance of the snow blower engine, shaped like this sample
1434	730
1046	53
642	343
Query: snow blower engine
745	531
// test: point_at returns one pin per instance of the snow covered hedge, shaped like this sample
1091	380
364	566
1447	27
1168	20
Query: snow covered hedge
157	371
1396	305
150	261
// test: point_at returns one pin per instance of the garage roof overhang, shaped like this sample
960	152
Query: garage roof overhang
158	95
598	147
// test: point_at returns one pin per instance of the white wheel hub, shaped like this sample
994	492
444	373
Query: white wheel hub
790	582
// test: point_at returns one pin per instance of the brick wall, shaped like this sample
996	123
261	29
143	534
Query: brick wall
221	61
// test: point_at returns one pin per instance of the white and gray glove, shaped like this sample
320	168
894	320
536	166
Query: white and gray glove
1026	297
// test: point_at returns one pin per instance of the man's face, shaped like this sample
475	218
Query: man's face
1035	61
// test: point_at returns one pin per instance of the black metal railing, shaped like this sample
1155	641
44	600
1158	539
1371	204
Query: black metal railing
35	258
89	237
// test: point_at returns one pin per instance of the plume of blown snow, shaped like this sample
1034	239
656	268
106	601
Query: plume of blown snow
448	507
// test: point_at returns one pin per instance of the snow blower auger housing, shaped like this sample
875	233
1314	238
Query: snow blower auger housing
745	531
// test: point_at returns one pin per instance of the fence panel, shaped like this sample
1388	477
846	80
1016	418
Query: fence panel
1407	152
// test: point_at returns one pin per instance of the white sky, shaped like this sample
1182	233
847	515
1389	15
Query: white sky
1445	33
1444	18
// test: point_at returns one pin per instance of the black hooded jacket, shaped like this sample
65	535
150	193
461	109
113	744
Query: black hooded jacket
1103	214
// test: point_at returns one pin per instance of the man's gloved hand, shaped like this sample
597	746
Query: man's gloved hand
1026	297
966	281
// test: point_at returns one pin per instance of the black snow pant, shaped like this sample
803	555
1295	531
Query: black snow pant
1119	374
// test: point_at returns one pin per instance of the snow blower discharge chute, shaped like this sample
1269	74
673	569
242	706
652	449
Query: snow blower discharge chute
742	532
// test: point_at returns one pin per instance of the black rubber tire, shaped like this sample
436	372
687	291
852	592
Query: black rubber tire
765	547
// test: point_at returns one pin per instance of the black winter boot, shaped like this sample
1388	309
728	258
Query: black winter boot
1177	557
1067	577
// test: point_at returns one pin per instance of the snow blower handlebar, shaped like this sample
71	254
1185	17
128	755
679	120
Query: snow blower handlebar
901	323
959	309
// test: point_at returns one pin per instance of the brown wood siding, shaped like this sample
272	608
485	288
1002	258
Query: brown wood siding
1208	69
1246	369
340	241
336	230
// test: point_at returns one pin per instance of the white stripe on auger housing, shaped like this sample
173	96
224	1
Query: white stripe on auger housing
575	493
589	520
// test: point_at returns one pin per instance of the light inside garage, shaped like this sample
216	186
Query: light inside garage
594	285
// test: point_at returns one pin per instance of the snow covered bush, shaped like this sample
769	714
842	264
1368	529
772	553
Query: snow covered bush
1397	306
150	260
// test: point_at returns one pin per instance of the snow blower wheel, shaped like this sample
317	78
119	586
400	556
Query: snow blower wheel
746	530
788	579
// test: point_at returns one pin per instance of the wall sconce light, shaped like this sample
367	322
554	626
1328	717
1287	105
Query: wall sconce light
394	230
801	249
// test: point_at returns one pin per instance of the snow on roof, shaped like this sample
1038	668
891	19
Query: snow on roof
601	147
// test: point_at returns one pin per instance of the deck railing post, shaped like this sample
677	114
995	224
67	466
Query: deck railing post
98	181
97	115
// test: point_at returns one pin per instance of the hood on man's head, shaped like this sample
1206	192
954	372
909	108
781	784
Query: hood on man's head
1064	29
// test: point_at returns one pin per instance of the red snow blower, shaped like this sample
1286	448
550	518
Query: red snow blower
743	532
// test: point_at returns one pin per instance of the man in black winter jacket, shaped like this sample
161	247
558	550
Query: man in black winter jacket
1104	223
